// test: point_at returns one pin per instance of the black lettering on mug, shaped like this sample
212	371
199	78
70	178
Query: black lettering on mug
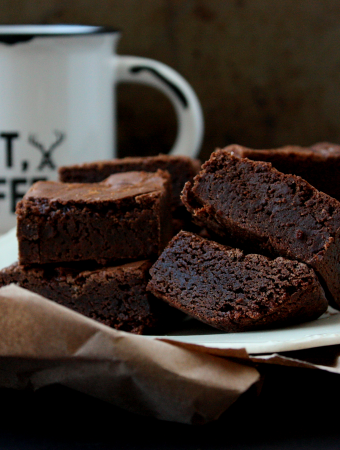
14	194
2	181
24	166
9	148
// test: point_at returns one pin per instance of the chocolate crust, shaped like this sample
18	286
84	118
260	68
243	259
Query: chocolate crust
232	291
181	169
264	210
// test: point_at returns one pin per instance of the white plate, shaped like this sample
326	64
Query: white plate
321	332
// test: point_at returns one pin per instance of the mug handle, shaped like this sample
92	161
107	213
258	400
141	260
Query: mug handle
189	112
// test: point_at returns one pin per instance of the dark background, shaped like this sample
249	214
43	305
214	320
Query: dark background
296	409
267	72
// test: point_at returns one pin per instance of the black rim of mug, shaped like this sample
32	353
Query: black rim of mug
13	33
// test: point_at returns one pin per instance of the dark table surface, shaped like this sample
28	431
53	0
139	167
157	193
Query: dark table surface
296	408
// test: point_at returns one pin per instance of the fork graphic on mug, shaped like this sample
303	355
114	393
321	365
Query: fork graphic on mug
59	104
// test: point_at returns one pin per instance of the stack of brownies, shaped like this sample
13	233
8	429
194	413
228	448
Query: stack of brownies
289	233
89	240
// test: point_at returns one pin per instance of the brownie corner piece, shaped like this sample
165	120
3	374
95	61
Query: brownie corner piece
231	291
124	217
115	295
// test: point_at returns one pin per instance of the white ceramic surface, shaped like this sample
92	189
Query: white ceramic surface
321	332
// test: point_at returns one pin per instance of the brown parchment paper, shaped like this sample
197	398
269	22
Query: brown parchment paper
43	343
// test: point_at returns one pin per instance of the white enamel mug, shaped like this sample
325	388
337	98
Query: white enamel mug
57	91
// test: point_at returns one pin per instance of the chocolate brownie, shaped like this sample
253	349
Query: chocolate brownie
265	210
124	217
318	164
232	291
115	296
181	169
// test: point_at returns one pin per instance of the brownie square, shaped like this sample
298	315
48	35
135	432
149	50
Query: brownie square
232	291
115	296
263	210
124	217
318	164
181	169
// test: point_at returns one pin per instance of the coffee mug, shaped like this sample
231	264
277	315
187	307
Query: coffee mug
57	90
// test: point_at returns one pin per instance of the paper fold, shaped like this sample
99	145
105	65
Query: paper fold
43	343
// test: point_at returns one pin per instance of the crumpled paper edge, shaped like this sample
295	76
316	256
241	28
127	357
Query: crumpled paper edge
43	343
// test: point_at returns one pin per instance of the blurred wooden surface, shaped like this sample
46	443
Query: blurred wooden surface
266	72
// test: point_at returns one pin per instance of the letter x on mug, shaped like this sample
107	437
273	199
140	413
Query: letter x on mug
57	90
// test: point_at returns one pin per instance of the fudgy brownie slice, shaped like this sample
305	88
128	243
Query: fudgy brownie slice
115	296
124	217
232	291
263	209
181	169
318	164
